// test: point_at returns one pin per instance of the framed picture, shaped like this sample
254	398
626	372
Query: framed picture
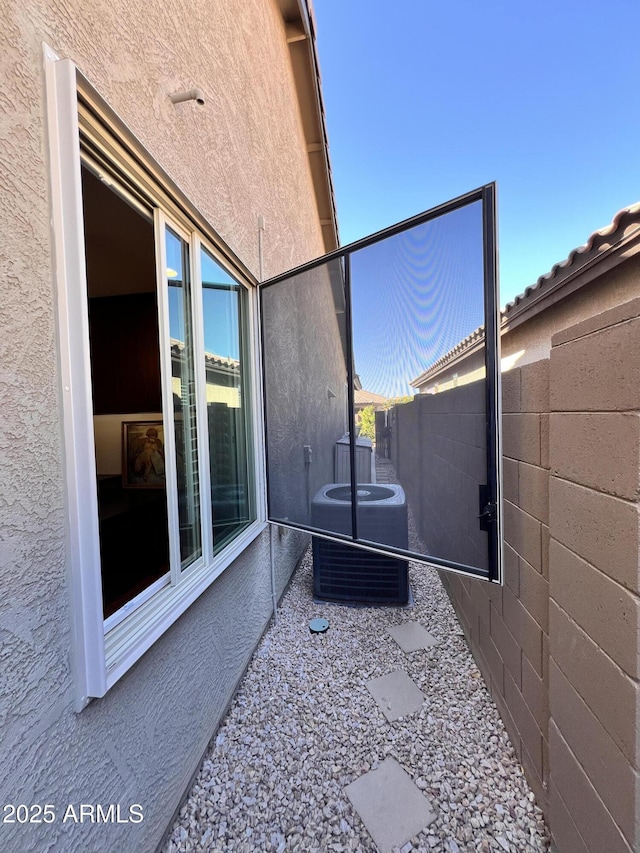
143	455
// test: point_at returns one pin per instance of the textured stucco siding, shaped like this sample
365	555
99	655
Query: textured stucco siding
240	156
303	360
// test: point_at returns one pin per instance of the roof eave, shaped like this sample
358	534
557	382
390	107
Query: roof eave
549	291
300	30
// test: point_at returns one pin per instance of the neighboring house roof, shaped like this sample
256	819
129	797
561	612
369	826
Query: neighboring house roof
624	226
219	362
368	398
559	282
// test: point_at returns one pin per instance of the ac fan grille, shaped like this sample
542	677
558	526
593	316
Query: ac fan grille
348	574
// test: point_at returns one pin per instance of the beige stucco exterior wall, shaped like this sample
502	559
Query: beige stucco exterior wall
240	156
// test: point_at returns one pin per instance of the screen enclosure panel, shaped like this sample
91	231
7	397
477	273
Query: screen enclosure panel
381	383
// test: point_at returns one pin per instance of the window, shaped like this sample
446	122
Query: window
157	365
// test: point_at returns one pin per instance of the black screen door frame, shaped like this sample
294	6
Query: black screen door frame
490	499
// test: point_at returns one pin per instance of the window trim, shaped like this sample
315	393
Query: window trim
104	650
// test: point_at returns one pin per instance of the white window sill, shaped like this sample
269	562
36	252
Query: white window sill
126	642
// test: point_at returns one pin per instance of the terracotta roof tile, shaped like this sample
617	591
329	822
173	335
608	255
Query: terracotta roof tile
624	224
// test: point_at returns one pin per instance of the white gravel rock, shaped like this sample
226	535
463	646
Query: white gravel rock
303	726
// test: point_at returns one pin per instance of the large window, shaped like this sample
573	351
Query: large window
156	360
151	283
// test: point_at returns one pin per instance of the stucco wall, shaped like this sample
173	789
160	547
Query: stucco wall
240	156
304	364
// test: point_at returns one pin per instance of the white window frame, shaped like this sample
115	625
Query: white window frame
103	651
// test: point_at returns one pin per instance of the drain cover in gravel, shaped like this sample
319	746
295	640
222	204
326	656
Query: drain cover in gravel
411	636
392	808
396	694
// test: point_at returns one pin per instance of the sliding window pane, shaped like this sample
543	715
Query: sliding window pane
184	397
227	401
127	393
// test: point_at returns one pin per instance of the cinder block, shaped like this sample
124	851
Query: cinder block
598	450
545	657
533	490
480	592
597	679
509	724
536	695
544	531
470	611
510	479
599	372
534	386
511	570
545	770
511	390
522	532
521	437
489	592
600	528
507	646
607	612
544	441
607	768
524	628
528	728
492	656
563	830
534	594
583	803
625	311
530	765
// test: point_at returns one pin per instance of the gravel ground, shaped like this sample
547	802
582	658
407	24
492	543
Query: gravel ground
303	726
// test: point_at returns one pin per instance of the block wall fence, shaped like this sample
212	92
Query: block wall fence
558	645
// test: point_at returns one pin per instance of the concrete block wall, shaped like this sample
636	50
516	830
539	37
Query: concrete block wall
438	447
559	644
594	607
508	627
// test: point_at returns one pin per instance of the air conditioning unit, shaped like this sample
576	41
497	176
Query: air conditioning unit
343	572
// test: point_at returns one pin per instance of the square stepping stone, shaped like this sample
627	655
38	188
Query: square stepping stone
396	695
391	806
411	636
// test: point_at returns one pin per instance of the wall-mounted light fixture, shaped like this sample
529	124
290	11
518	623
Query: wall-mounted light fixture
196	95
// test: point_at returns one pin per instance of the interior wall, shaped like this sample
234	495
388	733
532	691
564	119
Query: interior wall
108	437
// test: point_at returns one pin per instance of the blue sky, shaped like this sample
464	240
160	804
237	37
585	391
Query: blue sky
414	296
426	100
